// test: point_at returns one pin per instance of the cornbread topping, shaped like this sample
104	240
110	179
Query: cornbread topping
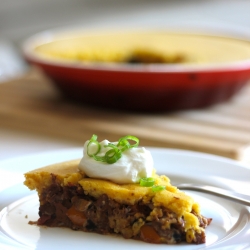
134	164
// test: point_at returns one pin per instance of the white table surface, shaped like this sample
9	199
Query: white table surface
17	143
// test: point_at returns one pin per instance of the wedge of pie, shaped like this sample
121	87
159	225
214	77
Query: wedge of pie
69	198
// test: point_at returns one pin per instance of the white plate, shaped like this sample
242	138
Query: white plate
230	228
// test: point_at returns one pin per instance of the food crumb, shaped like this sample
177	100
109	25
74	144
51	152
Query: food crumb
32	222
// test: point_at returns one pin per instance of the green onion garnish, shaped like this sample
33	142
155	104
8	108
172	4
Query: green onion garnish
99	158
158	188
124	143
115	153
93	140
147	182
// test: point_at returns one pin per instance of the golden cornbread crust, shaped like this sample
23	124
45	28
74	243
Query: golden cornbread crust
133	211
41	178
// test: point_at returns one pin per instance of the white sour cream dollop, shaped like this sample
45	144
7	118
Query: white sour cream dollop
134	164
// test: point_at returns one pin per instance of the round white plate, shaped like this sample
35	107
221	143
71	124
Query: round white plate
230	228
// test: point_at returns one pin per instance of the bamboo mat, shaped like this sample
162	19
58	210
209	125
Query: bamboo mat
31	103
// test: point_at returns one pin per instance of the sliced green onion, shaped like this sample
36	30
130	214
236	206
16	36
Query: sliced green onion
93	140
115	153
99	158
158	188
147	182
125	144
111	145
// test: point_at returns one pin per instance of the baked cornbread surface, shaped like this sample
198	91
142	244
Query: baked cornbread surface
65	172
66	178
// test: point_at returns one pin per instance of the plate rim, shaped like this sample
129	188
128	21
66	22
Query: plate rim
78	150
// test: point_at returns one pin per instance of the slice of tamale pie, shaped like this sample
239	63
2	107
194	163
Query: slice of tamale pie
69	198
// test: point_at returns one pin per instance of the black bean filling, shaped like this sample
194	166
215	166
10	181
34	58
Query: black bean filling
69	207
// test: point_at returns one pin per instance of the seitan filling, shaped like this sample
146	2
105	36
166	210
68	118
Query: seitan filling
69	206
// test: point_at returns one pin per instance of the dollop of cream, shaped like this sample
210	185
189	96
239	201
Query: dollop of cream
134	164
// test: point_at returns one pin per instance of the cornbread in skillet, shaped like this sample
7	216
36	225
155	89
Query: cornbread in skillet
118	47
69	198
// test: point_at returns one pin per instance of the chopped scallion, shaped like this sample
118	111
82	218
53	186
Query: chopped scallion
115	153
90	146
125	144
147	182
158	188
